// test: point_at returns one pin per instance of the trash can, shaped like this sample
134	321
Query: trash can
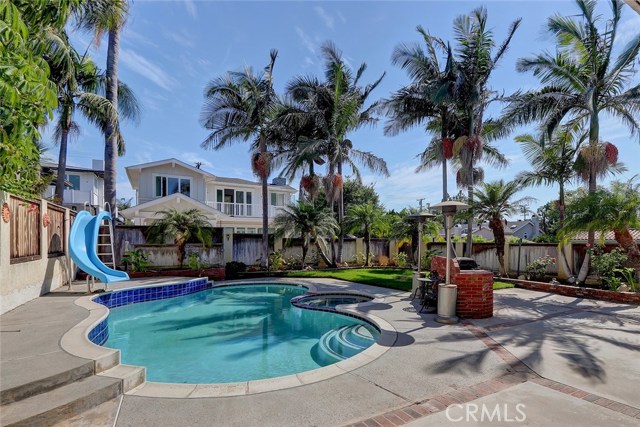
447	295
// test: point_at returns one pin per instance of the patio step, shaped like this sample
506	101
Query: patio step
343	342
51	378
64	402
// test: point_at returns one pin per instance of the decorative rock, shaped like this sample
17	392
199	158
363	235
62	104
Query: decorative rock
522	277
623	288
554	281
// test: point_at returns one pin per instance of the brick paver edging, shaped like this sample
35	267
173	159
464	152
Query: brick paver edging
520	373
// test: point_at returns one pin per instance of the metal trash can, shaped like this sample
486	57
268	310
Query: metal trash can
447	295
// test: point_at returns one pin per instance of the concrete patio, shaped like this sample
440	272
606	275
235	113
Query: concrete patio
569	361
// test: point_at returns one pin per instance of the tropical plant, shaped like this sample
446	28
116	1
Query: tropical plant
402	259
362	219
581	80
615	209
276	261
194	262
335	107
28	96
239	107
475	60
606	264
136	259
180	226
312	223
100	17
495	200
421	103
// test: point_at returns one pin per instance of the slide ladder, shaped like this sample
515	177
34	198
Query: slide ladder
104	247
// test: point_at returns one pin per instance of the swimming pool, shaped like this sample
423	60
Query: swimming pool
232	334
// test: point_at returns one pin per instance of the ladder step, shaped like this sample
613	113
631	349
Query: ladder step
104	235
104	244
104	253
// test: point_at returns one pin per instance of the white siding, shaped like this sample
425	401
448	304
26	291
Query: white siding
146	186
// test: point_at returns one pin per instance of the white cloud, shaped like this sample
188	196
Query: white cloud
190	5
342	17
307	42
628	29
328	19
307	62
144	67
182	37
191	157
136	38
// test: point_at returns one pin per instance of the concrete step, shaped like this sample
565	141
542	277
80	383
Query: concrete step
41	375
64	402
131	376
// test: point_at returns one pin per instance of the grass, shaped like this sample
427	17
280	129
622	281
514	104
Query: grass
394	278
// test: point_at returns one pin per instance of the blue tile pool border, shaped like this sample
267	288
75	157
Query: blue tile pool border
100	333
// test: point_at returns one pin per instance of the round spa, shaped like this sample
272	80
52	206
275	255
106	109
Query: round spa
234	333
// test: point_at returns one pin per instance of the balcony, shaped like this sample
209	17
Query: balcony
243	209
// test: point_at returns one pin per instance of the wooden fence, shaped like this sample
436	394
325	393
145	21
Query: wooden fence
56	230
25	229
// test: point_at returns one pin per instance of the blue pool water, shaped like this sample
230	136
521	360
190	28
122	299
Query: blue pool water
233	333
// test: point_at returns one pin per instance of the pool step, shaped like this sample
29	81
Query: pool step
344	342
64	402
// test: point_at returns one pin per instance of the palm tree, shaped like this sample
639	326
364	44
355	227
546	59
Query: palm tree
426	100
474	63
616	209
336	107
181	226
108	16
240	107
311	222
494	202
363	219
581	81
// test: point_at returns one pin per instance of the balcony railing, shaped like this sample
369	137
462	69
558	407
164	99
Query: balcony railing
243	209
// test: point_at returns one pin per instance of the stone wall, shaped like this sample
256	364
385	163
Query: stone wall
475	288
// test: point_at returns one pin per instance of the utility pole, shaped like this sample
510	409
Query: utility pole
420	203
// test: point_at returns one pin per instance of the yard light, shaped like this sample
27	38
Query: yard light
447	292
421	217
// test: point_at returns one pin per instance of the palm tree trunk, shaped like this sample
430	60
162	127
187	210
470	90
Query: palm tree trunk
625	239
264	258
340	218
305	249
498	233
470	185
367	243
62	165
561	207
322	255
110	136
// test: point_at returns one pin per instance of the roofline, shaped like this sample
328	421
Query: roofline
171	160
173	196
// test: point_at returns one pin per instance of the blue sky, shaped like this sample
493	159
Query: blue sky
170	49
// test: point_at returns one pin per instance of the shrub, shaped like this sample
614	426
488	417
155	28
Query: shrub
194	262
232	269
537	268
606	265
402	259
276	261
137	260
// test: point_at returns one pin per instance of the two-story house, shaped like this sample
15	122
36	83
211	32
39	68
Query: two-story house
226	202
82	185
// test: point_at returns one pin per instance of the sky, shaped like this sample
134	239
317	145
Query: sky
171	49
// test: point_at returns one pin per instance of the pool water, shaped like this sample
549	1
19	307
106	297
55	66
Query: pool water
233	333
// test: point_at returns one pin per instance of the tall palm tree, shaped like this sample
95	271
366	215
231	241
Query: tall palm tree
363	219
475	60
180	226
581	81
426	100
336	107
240	107
312	223
108	16
494	202
616	209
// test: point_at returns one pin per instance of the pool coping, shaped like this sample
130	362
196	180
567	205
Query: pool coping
76	342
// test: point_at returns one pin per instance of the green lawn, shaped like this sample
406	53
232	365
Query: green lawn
394	278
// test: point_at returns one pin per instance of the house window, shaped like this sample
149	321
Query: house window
277	199
167	185
74	180
240	230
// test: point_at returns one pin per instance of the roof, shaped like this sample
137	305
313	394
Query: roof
51	166
133	172
584	235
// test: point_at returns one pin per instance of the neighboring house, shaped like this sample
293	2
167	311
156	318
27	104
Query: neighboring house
226	202
609	238
525	229
82	185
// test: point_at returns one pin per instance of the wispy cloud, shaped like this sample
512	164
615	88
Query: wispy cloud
144	67
191	157
182	37
136	38
307	42
628	29
327	18
190	5
307	62
341	17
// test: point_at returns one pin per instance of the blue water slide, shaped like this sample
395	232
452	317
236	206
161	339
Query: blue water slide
82	247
